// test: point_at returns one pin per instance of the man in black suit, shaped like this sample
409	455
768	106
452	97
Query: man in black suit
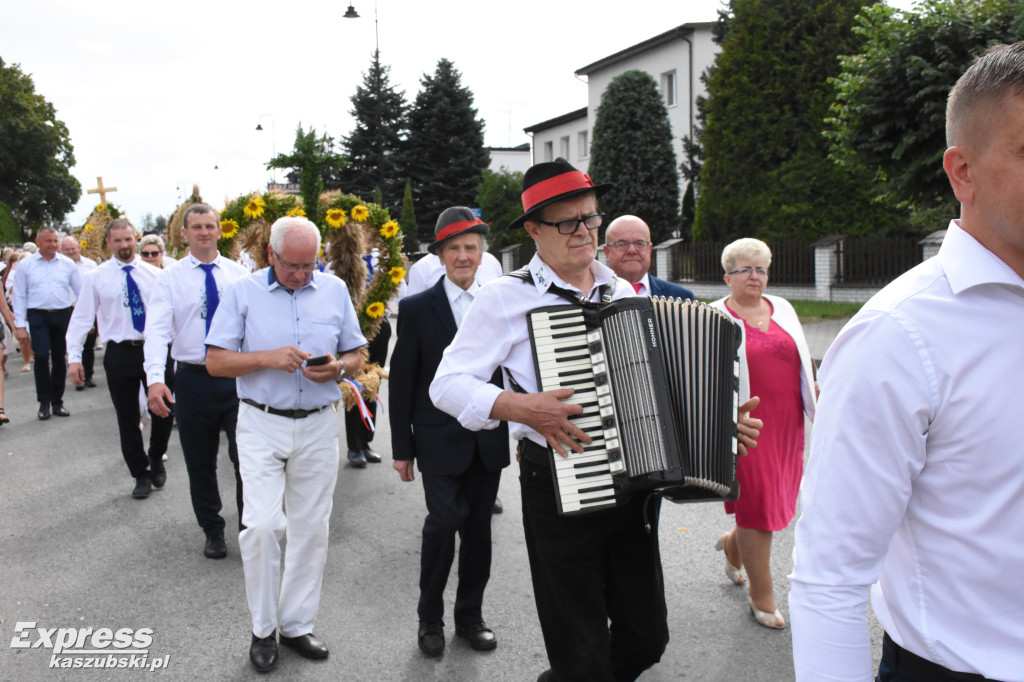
628	249
460	469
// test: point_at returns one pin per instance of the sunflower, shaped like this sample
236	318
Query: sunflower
396	274
388	229
89	227
360	213
375	310
82	244
254	209
101	207
336	217
297	211
228	229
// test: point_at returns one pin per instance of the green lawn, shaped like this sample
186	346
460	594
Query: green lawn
817	311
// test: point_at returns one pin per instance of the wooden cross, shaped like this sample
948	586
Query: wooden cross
101	190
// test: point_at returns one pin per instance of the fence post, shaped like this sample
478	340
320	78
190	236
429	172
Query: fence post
825	266
663	260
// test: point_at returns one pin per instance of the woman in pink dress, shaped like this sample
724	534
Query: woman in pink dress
775	365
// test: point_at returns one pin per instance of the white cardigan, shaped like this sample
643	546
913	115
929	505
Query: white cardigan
784	316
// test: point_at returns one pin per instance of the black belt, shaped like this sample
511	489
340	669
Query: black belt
291	414
535	454
130	342
188	366
922	665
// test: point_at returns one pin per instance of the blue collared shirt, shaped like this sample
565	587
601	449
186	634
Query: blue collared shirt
256	314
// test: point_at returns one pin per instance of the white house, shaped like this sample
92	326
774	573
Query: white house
675	59
511	159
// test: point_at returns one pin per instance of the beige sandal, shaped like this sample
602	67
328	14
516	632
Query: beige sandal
735	574
768	620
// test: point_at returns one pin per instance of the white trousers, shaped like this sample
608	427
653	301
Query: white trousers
293	462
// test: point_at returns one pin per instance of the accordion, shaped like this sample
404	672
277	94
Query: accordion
658	380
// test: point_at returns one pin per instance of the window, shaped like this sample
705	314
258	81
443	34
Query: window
668	88
549	151
583	144
563	146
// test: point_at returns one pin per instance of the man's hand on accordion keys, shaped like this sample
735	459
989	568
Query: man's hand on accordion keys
547	414
749	427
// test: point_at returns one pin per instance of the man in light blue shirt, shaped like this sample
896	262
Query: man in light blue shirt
288	334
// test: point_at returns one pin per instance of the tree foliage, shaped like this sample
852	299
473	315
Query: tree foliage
408	215
499	199
890	97
374	147
445	152
765	170
310	160
9	232
35	153
632	147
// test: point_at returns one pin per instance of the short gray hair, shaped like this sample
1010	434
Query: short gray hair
152	239
748	247
283	226
997	72
196	208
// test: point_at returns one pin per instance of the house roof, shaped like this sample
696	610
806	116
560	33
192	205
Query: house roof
677	33
557	121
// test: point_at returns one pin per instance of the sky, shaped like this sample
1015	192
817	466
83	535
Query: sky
159	96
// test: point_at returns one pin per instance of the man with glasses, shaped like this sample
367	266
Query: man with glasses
593	574
628	249
288	333
181	308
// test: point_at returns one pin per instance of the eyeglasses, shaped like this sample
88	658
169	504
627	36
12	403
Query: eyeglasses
591	222
639	245
294	267
747	271
149	254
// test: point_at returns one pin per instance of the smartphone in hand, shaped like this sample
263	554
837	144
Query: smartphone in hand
318	360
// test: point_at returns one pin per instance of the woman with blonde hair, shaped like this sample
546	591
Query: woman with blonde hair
775	364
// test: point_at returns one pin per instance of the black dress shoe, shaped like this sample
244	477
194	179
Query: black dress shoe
546	676
158	471
80	388
44	411
60	411
143	487
89	383
307	646
263	652
479	636
356	458
497	506
215	547
371	456
431	638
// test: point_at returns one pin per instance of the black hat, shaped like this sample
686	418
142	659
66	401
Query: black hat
551	181
455	221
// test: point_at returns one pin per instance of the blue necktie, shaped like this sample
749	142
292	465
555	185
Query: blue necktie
212	297
135	301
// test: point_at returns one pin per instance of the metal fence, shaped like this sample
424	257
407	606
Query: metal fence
860	262
792	262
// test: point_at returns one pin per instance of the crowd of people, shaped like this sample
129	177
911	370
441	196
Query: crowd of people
914	483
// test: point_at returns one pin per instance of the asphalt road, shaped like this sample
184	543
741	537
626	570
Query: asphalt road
76	551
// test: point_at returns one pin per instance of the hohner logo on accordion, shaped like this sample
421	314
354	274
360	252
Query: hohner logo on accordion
658	380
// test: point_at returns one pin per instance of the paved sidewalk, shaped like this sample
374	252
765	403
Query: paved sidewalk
820	336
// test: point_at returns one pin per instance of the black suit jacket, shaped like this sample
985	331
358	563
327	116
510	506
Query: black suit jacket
420	431
660	287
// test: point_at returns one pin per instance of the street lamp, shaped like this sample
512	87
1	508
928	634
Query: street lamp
273	142
352	14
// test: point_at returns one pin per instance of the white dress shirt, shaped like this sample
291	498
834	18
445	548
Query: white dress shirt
86	265
104	297
425	272
494	333
916	477
45	284
177	312
460	299
256	313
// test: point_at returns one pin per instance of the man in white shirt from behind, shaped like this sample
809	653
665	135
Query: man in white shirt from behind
915	483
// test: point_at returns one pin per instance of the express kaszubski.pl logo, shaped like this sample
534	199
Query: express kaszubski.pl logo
90	647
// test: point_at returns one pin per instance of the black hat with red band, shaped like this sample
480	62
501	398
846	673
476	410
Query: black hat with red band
455	221
551	181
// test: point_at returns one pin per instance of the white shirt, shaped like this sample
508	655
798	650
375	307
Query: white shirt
460	299
86	265
45	284
425	272
177	312
494	333
916	476
104	297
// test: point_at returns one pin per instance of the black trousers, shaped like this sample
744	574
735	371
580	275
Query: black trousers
125	378
463	505
597	581
205	406
357	435
900	665
48	329
89	355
